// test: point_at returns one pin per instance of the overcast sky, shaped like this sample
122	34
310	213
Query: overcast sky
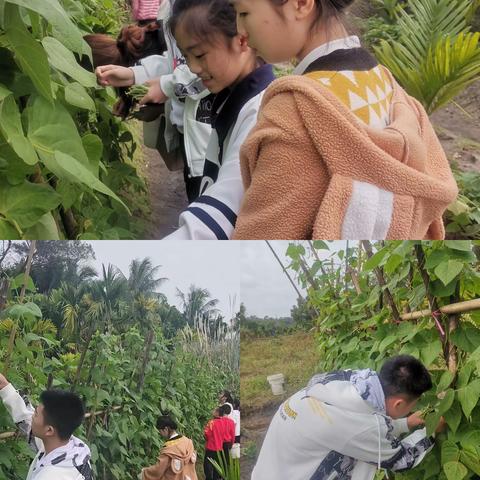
232	272
211	265
265	288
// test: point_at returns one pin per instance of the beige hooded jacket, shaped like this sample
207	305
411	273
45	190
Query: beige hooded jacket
312	169
176	462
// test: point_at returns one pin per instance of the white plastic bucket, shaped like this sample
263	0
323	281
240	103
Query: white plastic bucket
235	451
276	382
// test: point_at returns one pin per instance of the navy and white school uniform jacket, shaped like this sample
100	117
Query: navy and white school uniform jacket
337	429
213	214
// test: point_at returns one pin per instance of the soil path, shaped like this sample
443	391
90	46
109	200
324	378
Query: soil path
167	195
254	428
458	127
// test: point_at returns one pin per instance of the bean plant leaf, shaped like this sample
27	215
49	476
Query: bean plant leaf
77	95
12	130
445	381
447	401
431	351
453	417
51	128
4	92
471	459
7	230
455	470
63	27
469	396
69	168
376	259
26	203
448	270
463	245
450	451
63	59
29	54
44	229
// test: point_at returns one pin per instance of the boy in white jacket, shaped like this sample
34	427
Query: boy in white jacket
346	424
49	428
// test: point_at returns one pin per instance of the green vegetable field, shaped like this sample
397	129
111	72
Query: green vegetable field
117	343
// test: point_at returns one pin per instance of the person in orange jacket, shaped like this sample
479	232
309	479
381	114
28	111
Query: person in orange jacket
177	458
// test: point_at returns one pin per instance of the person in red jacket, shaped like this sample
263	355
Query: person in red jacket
225	411
219	436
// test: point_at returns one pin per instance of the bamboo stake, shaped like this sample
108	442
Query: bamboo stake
82	358
459	307
31	252
355	280
5	250
148	346
285	270
381	280
4	287
452	354
432	301
324	273
313	283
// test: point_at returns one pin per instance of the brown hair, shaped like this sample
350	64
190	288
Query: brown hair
104	50
133	42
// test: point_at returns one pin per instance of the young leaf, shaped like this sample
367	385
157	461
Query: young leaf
455	470
447	271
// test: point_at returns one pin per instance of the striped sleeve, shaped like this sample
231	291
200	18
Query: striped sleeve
213	215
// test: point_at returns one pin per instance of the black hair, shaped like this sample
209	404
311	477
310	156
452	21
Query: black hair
224	410
236	404
227	395
204	18
64	411
326	9
165	421
405	375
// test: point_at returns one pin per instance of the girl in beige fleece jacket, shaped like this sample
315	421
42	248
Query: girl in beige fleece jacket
339	150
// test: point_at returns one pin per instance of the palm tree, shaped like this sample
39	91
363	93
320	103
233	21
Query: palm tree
108	293
197	304
436	55
142	278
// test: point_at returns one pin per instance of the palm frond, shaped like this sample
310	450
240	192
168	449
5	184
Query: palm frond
436	56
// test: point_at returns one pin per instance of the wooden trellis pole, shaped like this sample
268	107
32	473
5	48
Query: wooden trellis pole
322	269
381	280
285	270
459	307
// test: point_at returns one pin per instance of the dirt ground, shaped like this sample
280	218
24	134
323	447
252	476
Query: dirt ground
254	428
458	127
167	195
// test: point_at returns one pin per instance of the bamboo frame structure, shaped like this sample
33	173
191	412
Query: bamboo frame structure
460	307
